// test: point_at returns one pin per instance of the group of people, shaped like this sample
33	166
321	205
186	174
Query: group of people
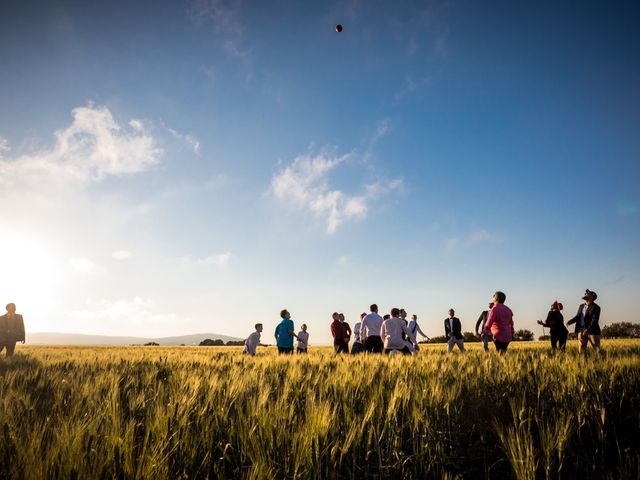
11	329
393	333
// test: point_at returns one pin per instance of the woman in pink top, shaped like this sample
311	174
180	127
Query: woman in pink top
500	323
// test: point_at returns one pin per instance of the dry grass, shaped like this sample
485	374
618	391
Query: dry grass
198	412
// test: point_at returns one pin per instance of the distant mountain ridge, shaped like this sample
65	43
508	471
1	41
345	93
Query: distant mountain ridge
55	338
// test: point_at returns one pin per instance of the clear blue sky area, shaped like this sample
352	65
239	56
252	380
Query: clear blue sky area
184	166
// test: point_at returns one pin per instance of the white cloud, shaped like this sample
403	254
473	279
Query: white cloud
217	181
121	254
93	147
473	238
219	260
86	265
304	185
223	15
192	142
4	146
138	312
343	261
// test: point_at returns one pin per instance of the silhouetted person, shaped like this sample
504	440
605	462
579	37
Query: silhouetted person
482	320
453	331
587	321
500	323
11	329
555	322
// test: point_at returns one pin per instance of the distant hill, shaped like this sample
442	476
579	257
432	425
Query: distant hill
52	338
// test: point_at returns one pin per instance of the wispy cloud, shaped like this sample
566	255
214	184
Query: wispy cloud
137	311
187	138
224	16
304	185
86	265
219	260
93	147
121	254
473	238
4	146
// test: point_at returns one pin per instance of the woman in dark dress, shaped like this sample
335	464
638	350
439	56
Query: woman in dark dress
555	322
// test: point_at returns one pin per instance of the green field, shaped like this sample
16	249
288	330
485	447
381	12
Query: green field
207	412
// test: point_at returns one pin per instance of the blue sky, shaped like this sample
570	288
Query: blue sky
190	166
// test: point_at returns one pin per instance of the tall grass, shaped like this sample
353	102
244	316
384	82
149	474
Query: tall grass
182	412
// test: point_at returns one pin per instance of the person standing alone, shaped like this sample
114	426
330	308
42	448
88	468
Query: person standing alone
453	331
11	329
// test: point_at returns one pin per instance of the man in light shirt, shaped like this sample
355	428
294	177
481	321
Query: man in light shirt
253	340
415	329
393	332
370	331
357	346
303	339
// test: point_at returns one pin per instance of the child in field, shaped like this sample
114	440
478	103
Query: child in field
303	339
253	340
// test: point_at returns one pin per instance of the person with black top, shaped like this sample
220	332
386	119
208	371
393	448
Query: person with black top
587	322
482	319
453	331
555	323
11	329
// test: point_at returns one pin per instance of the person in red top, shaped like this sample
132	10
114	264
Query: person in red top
340	338
500	323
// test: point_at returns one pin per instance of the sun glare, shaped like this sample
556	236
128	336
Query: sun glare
29	277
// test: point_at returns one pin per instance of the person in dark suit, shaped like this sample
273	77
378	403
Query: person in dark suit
587	322
555	322
482	320
11	329
453	331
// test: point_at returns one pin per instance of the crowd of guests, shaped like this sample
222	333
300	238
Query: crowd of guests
394	334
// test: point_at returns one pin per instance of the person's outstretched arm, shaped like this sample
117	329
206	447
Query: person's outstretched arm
419	330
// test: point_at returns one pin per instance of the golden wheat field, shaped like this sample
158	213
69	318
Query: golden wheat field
207	412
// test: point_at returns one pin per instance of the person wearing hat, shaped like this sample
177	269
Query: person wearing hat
587	321
555	323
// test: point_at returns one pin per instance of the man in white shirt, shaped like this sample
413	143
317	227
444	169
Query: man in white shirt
358	346
303	339
392	331
253	340
415	329
370	331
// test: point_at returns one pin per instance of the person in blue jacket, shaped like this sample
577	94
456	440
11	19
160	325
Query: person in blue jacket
285	333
